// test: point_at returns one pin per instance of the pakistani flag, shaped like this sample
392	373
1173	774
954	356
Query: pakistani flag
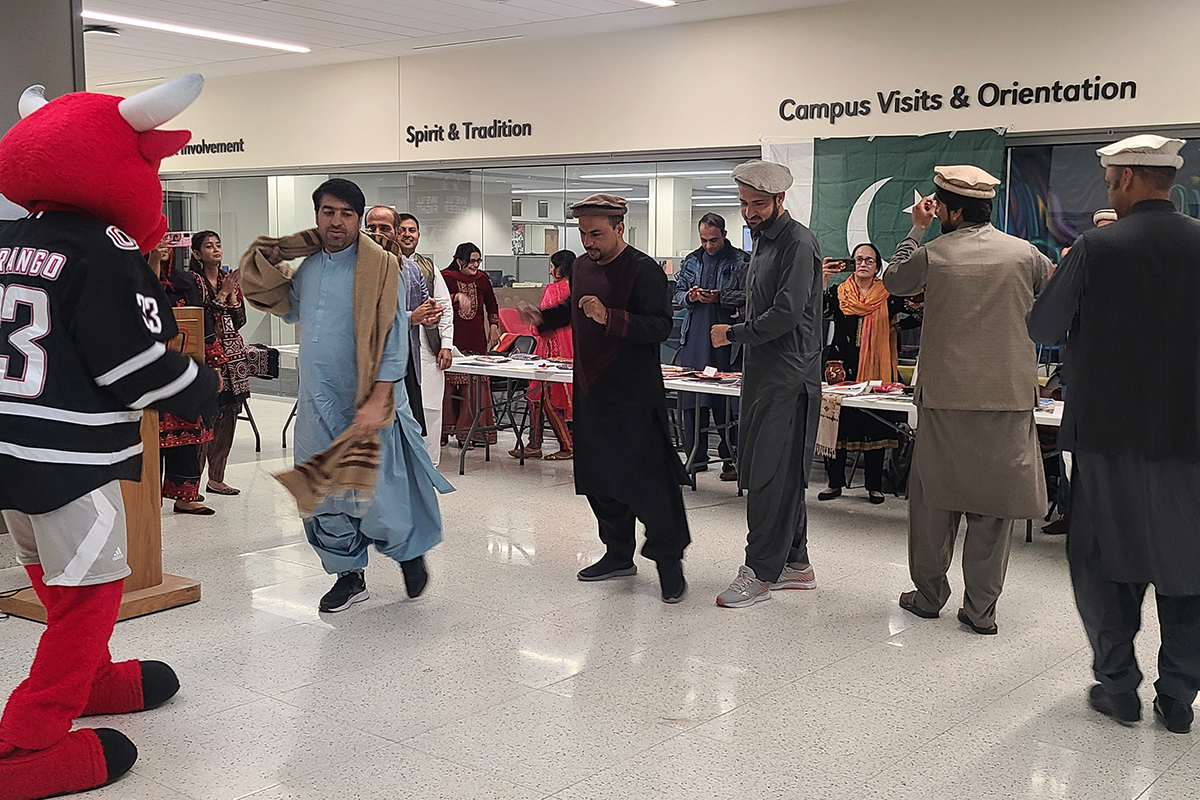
850	191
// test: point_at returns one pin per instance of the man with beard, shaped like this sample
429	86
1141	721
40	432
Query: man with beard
420	306
977	447
1127	295
436	341
781	387
620	312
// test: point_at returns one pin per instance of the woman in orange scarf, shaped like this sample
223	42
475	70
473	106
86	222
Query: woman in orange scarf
864	342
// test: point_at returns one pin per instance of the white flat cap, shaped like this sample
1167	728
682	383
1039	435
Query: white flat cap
1104	215
966	180
1146	150
763	176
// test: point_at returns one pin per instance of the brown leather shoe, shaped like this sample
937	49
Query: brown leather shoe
729	473
908	601
529	453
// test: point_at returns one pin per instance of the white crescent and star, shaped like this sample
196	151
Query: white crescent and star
857	228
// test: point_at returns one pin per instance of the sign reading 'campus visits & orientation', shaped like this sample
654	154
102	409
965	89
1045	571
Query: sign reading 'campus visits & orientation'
988	95
498	129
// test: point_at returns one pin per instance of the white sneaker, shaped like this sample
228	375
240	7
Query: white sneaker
746	590
792	578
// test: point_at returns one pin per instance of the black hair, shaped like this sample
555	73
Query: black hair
344	190
1158	178
403	217
198	239
462	253
564	260
974	209
713	221
874	249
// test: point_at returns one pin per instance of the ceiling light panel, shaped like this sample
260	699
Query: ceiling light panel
187	30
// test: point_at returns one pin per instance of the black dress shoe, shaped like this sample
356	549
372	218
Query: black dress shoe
1124	708
1175	714
416	576
875	497
607	568
829	494
670	577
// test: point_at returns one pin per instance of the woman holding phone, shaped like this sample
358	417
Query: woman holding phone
865	322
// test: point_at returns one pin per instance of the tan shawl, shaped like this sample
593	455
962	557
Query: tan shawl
351	462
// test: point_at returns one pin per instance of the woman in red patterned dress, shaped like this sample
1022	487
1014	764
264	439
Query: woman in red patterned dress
224	350
476	331
179	441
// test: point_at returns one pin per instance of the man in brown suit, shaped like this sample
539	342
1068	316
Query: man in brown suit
977	450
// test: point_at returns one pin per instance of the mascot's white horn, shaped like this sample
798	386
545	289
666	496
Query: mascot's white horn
31	100
149	109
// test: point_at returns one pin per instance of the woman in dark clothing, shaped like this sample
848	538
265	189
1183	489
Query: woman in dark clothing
865	321
224	350
179	441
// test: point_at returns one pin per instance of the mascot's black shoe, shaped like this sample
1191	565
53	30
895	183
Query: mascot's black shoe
84	759
129	686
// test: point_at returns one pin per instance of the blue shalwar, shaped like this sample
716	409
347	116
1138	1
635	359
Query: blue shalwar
402	519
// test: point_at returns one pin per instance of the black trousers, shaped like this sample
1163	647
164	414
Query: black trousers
776	514
872	467
665	541
724	438
1112	616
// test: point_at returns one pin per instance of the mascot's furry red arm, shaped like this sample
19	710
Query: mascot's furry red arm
83	328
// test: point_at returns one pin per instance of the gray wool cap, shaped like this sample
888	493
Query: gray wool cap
763	176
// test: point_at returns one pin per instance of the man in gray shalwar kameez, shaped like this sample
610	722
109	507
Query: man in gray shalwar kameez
977	450
1127	294
781	387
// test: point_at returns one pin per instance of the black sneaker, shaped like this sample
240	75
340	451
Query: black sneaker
416	576
670	577
1124	708
1175	714
350	588
608	567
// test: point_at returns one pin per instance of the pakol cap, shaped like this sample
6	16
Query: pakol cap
600	205
1146	150
966	180
763	176
1104	215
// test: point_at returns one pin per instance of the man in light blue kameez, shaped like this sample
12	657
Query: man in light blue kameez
402	518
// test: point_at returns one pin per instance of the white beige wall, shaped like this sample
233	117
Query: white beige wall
715	84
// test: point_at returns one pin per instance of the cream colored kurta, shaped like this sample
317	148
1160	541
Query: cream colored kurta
977	450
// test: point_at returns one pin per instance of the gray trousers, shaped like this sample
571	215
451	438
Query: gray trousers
778	519
1112	616
931	535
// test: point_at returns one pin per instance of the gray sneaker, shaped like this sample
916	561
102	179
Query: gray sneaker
792	578
746	590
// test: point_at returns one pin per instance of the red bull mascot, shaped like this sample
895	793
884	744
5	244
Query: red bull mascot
83	332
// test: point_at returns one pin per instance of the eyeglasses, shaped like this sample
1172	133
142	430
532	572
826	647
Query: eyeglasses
474	260
870	262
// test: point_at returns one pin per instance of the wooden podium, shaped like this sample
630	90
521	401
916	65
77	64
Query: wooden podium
148	588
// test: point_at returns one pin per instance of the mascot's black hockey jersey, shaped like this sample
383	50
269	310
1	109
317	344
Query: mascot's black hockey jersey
83	332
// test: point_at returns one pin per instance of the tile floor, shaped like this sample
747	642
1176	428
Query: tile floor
510	679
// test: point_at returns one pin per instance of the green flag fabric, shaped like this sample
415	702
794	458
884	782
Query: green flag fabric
850	191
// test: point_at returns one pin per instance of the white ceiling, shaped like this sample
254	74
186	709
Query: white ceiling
356	30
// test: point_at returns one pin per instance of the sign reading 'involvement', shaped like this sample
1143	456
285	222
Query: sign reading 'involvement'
204	147
987	95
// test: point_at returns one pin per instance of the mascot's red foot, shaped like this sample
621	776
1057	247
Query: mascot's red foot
130	686
85	759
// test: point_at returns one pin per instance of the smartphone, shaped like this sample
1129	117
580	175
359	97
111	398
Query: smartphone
847	265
